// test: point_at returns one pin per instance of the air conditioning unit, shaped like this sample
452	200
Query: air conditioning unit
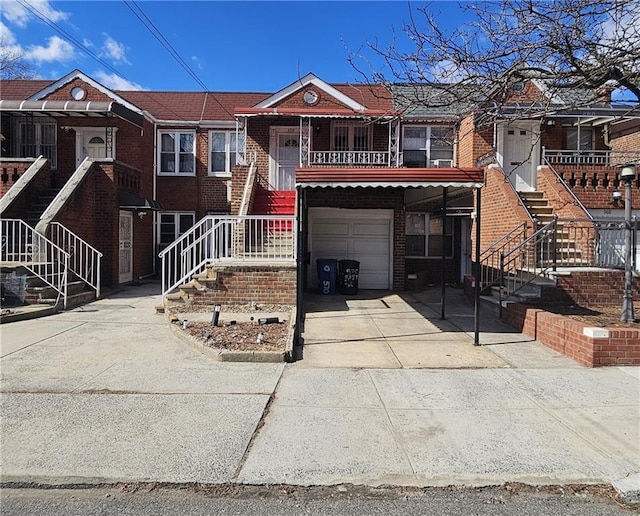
441	163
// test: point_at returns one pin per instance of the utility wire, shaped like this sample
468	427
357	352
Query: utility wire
159	36
84	49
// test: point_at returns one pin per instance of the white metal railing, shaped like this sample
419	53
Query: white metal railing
589	157
84	259
349	158
22	245
228	239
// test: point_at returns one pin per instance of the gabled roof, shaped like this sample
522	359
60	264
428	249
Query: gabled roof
77	74
346	100
310	80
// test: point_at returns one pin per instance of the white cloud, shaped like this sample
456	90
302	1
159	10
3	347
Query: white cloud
19	15
7	38
198	62
57	50
115	82
114	50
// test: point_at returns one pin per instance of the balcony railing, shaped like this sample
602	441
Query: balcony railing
349	158
594	158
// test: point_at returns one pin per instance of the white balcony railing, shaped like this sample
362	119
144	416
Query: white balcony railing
349	158
228	239
589	157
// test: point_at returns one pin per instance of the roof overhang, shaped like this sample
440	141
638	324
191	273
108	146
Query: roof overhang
133	201
71	108
319	177
311	112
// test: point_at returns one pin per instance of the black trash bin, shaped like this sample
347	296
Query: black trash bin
327	275
348	272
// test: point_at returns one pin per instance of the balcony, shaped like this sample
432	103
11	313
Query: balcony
589	158
349	159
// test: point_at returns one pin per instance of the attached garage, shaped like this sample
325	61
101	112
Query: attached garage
362	235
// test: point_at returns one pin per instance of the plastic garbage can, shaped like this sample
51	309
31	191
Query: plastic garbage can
327	275
348	273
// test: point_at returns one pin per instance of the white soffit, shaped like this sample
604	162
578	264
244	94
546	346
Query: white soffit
310	79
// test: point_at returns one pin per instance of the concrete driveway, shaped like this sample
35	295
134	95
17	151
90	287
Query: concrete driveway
387	330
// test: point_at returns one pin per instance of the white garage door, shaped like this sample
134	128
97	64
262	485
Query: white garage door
362	235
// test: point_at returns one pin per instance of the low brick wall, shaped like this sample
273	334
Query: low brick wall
255	283
588	346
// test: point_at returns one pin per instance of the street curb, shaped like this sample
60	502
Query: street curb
225	355
629	488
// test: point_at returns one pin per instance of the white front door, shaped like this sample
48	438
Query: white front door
93	143
518	154
285	157
126	247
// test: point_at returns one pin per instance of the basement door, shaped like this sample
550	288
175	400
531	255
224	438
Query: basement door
126	247
285	157
519	149
362	235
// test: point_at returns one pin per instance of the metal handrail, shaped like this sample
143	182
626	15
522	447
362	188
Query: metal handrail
85	260
490	257
566	186
507	236
36	253
249	238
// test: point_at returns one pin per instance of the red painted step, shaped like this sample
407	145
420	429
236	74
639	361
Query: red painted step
274	202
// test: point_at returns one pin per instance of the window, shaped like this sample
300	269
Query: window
427	146
173	225
351	136
37	138
425	235
177	153
222	150
580	138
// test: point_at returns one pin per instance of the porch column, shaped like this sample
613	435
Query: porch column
443	289
305	147
478	272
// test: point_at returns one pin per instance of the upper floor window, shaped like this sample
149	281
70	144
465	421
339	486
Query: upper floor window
222	152
37	138
177	153
427	146
351	136
580	138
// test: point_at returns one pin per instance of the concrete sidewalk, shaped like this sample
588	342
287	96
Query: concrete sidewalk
106	393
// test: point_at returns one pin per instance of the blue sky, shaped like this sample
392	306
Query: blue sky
231	46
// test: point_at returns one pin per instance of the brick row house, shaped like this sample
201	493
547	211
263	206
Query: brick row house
236	196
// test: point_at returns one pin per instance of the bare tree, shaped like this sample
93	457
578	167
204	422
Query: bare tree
569	46
13	64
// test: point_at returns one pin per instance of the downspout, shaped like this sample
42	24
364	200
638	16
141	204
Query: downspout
154	238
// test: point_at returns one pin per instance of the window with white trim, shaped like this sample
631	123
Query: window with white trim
222	152
350	136
425	235
177	153
172	225
35	138
426	146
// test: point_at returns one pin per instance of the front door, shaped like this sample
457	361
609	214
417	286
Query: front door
93	143
520	150
285	157
126	247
